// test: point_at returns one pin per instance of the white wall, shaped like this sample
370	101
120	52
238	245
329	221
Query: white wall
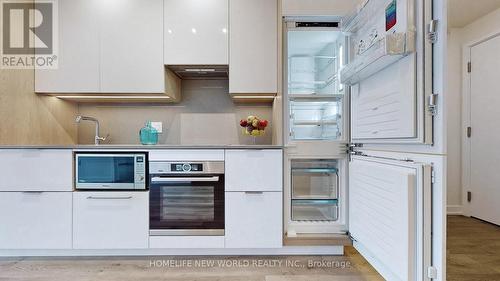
458	39
454	117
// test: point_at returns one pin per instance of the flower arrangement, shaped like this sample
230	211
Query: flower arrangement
253	126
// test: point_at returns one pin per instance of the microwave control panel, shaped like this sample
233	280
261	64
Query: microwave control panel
140	170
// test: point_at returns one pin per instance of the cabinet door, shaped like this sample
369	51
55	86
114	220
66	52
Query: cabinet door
254	170
390	215
253	46
78	59
132	46
254	219
36	170
35	220
110	220
196	32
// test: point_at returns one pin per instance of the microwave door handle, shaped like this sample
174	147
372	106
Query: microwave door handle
180	179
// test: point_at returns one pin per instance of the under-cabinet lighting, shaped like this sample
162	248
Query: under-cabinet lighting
91	97
254	97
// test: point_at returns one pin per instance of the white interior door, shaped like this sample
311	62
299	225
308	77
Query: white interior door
485	137
389	215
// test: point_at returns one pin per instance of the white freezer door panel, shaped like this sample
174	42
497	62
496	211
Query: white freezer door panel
386	216
384	105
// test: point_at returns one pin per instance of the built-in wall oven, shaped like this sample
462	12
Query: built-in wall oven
186	198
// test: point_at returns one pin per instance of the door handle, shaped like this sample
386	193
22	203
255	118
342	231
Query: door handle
254	192
109	198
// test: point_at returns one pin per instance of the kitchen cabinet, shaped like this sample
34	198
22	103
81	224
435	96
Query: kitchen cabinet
107	47
253	47
110	220
78	59
36	170
254	170
254	219
35	220
131	43
196	32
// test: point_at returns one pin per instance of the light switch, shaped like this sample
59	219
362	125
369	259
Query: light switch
158	126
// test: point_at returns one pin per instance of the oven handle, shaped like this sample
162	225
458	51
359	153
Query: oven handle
198	179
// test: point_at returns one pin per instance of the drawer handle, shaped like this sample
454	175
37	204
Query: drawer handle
109	198
254	192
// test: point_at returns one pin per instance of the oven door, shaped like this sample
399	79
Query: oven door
186	205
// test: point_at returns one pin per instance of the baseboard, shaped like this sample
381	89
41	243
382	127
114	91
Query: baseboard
454	210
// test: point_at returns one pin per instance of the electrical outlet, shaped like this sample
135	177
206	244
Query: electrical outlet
158	126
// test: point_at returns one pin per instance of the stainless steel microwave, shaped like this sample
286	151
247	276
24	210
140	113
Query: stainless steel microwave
115	171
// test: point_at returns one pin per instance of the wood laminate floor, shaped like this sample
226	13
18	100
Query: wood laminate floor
351	267
473	250
473	254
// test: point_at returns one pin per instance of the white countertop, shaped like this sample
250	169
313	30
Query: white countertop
138	146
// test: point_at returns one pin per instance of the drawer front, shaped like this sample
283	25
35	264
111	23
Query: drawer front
110	220
36	170
35	220
314	210
254	170
254	220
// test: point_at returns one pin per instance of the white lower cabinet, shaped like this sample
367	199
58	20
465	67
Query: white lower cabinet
110	220
35	220
254	219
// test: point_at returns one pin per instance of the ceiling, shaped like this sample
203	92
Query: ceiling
464	12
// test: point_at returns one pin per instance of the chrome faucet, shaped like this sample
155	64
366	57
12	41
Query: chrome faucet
97	138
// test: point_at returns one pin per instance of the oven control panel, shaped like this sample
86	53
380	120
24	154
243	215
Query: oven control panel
181	167
187	167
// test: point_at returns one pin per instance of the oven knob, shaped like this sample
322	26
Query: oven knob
186	167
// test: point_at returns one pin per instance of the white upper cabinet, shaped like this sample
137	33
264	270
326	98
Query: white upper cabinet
253	46
196	32
78	59
107	47
131	46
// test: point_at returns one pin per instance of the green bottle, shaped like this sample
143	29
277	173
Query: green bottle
148	134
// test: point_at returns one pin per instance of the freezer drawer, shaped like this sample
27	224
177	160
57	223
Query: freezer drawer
314	210
314	179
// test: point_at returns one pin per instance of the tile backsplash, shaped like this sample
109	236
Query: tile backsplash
205	116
